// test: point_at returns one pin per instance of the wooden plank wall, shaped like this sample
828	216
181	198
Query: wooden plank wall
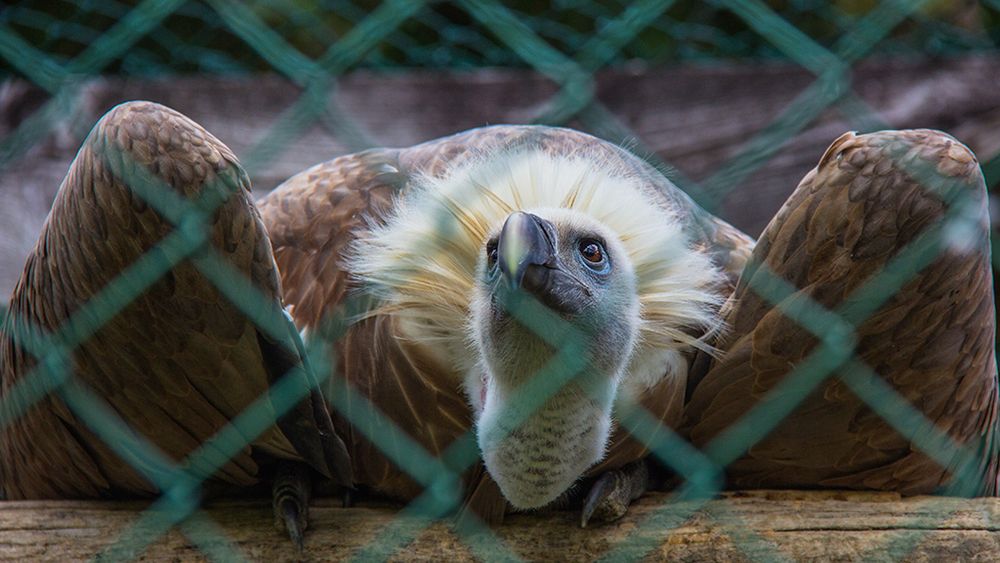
694	118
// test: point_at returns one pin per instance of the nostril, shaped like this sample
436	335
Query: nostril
536	278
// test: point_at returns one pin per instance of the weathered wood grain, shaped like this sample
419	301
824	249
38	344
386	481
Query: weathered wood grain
694	118
762	525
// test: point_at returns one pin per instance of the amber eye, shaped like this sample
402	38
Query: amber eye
491	253
592	252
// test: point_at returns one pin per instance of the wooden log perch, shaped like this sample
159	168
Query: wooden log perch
759	525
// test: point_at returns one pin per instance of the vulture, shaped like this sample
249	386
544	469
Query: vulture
451	283
179	361
443	236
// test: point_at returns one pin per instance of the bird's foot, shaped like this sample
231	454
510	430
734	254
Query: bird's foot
613	492
290	495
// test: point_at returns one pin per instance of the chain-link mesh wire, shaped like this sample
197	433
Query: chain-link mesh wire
57	45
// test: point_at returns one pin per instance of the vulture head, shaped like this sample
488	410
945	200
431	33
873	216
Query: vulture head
491	267
578	269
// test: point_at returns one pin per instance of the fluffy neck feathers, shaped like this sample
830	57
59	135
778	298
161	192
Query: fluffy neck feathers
422	260
422	263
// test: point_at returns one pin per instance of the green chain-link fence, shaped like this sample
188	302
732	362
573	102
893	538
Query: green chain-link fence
57	45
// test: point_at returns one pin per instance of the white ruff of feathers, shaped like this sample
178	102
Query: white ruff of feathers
422	261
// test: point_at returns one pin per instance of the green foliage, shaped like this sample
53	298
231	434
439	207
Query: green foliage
443	35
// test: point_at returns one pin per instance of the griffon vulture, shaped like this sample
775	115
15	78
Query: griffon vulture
448	243
443	233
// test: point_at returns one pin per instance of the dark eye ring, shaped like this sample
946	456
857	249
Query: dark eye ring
593	252
491	253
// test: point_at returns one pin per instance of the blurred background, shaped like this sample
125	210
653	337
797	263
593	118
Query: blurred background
736	100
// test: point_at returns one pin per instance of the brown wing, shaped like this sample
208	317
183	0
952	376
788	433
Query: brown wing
313	218
178	362
932	340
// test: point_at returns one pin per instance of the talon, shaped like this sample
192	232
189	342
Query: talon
290	495
600	491
295	523
613	492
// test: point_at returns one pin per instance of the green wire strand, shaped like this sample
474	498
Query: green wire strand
568	44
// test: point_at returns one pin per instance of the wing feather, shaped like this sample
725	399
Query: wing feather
179	361
932	341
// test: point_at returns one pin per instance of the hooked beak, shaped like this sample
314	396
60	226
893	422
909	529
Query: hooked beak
527	258
525	241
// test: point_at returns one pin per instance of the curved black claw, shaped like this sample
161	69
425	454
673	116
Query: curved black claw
613	492
290	496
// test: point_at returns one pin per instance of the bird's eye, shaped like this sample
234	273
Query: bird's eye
593	253
491	253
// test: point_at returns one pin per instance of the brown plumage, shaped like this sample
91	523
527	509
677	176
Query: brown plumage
932	341
846	220
314	218
178	362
